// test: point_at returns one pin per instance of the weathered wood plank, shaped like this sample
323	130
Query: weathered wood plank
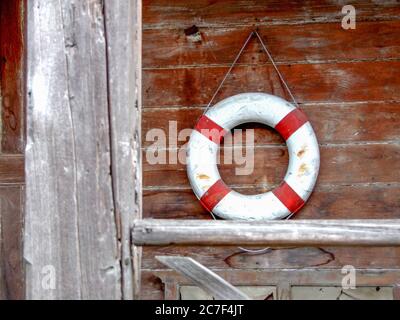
340	164
11	75
340	82
332	123
123	30
152	287
336	82
231	257
373	201
283	290
306	276
70	230
11	169
171	291
164	14
368	232
396	291
219	288
193	293
169	48
337	293
12	284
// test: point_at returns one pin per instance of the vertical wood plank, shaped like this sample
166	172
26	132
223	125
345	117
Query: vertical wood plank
171	290
11	262
70	231
396	291
283	290
123	30
11	75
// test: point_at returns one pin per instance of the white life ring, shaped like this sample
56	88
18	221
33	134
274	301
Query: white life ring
301	175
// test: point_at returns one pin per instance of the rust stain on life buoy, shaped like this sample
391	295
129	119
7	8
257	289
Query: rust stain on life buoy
302	151
303	169
203	176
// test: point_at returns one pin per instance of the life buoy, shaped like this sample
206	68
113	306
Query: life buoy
292	125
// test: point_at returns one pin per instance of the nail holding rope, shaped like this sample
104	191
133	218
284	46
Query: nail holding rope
289	121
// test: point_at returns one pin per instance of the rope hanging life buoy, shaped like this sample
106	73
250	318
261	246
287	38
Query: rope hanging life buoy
290	122
287	119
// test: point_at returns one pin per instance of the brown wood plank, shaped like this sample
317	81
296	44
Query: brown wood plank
163	13
332	123
327	82
232	257
326	202
168	48
11	75
306	277
12	280
340	164
396	291
11	169
152	287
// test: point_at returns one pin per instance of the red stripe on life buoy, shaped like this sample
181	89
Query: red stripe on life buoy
290	123
210	129
288	197
214	195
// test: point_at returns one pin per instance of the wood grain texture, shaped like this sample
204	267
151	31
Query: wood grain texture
336	82
332	123
11	169
123	30
307	276
340	164
152	287
12	286
295	257
367	232
173	48
70	222
231	257
283	290
164	14
396	291
11	75
330	293
373	201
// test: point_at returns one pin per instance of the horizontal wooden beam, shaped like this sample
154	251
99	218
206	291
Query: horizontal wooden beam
368	232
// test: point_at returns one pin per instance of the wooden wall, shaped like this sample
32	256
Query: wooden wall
11	149
346	81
